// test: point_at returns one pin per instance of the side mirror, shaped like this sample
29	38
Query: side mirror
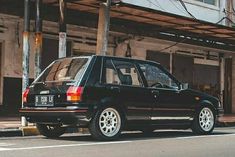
184	86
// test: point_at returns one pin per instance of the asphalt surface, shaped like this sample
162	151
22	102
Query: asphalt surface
167	143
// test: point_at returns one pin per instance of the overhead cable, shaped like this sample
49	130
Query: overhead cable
186	9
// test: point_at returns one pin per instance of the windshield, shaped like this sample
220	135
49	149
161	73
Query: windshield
68	69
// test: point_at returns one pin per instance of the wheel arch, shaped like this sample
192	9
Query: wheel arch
207	103
203	103
111	102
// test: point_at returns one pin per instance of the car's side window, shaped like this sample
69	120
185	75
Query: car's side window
122	73
156	77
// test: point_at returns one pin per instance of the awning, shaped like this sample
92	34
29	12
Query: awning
175	27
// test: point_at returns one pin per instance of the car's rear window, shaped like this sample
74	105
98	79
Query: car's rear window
68	69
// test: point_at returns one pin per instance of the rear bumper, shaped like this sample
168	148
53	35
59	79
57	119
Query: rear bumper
65	116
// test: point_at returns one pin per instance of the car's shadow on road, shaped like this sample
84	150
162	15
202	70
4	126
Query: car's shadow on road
135	136
163	134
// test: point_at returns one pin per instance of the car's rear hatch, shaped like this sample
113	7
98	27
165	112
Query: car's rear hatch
51	88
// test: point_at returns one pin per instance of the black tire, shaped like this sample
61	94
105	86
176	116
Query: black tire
97	121
51	131
199	125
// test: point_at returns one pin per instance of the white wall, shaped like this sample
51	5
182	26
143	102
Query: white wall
12	52
201	11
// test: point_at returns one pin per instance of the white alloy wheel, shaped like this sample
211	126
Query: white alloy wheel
206	119
109	122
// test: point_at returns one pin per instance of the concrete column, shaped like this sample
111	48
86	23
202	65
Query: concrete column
128	50
222	73
233	84
62	29
26	52
38	38
120	50
103	28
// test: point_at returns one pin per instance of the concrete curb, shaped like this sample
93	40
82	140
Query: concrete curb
226	124
33	131
29	131
10	132
22	131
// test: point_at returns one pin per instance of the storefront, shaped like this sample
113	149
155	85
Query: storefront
196	52
201	72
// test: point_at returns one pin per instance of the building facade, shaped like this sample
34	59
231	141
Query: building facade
209	69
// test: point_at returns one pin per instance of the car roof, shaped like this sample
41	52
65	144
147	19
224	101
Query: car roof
115	57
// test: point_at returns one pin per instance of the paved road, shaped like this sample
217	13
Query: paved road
160	144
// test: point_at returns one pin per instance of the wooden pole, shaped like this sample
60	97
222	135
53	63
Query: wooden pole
103	28
62	28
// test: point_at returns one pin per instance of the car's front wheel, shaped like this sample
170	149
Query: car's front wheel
51	131
106	124
204	121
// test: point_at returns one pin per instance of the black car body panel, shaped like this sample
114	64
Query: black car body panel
141	105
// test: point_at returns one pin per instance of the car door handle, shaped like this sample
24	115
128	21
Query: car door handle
113	88
155	92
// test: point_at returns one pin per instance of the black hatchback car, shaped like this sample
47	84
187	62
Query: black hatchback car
110	94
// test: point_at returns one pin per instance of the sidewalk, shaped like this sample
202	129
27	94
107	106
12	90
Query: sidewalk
11	126
9	123
227	120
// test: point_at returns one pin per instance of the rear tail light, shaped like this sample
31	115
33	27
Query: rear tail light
25	95
74	94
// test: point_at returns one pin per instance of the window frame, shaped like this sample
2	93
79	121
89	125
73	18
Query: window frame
103	74
205	5
163	70
215	2
78	81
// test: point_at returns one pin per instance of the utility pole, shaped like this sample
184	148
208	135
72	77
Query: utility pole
38	38
26	51
62	28
103	28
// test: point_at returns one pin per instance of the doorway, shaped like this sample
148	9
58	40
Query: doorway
206	79
160	57
183	68
1	73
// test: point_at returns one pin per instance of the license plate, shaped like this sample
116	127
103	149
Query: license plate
44	100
